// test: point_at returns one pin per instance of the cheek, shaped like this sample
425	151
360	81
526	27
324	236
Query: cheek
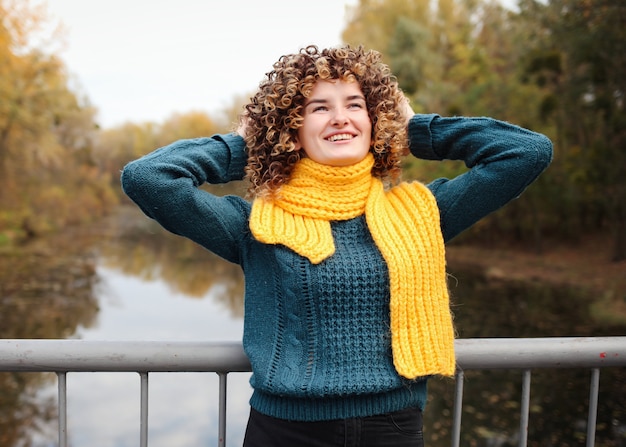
306	134
369	132
366	126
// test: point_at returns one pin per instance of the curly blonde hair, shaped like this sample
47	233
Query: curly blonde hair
274	114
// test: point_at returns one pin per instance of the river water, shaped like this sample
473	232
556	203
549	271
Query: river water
126	279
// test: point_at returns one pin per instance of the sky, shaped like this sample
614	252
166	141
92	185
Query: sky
144	60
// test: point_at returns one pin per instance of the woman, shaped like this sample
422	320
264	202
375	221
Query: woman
346	304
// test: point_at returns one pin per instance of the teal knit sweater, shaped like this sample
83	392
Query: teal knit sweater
317	336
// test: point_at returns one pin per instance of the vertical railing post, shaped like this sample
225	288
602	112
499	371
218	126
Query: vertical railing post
594	390
525	409
143	416
62	408
458	409
221	430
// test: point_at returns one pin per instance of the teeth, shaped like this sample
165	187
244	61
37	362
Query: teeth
341	136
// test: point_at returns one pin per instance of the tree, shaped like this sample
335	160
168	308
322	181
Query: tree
119	145
457	57
25	75
47	132
579	55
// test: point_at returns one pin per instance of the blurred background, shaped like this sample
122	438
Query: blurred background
85	88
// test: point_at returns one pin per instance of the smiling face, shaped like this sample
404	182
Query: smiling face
337	129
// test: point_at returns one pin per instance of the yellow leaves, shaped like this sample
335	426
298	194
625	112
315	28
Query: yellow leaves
46	136
189	125
33	87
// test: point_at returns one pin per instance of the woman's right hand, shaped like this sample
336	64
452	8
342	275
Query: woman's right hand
243	124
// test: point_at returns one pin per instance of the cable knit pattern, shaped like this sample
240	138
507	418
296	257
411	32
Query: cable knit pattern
405	227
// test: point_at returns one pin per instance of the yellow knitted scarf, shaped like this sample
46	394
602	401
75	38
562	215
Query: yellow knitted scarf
404	223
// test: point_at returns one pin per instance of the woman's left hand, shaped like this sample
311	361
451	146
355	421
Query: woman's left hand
406	109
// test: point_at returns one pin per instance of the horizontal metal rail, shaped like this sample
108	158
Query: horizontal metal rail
157	356
121	356
144	357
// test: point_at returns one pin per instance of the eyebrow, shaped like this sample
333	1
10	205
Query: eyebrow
324	101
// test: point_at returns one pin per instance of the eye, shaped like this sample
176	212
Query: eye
319	109
355	105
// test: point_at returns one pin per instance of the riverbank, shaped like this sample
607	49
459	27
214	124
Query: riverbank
586	265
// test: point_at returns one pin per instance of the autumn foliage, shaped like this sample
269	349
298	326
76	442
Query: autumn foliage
554	66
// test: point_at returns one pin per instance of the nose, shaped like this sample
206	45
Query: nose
339	118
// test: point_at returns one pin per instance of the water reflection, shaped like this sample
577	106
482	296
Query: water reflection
103	408
125	278
143	250
156	286
46	291
120	279
485	307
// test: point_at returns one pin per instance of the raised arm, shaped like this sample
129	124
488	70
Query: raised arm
503	160
165	185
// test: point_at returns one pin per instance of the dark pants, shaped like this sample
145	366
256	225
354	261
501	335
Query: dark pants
400	429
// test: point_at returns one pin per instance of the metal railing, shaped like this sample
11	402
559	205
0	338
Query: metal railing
63	356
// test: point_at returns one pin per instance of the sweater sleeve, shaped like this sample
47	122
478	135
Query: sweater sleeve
165	186
504	160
